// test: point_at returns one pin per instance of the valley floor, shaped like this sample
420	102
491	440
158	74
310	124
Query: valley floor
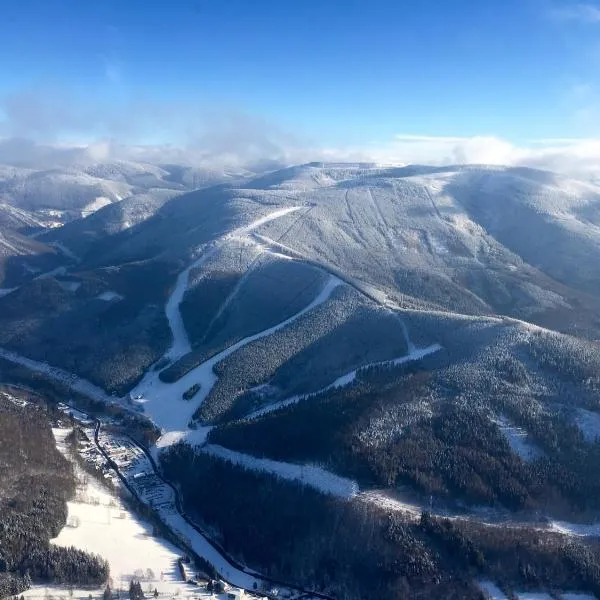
101	523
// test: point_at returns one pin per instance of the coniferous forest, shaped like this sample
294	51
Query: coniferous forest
35	483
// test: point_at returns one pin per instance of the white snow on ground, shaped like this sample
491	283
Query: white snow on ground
276	214
107	527
589	424
533	596
577	596
76	383
64	250
384	501
195	437
139	472
8	245
576	529
181	344
347	379
492	591
70	286
315	477
57	271
5	291
517	438
109	296
16	401
163	401
96	204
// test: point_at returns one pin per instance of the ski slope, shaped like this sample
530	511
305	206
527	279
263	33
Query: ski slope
181	344
163	402
310	475
347	379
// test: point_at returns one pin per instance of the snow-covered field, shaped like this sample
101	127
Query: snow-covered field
109	296
576	529
100	523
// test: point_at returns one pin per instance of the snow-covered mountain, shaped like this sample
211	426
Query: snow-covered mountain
59	195
430	330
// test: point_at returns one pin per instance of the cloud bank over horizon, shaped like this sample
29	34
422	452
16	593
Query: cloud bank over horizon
48	129
263	150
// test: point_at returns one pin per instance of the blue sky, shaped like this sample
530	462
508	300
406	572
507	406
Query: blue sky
336	73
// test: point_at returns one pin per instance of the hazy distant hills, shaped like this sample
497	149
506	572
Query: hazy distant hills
58	195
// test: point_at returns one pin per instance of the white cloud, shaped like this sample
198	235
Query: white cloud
575	157
45	128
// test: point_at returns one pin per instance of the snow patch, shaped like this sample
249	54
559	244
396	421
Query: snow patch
517	438
576	529
386	502
69	286
589	424
109	296
491	591
68	253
